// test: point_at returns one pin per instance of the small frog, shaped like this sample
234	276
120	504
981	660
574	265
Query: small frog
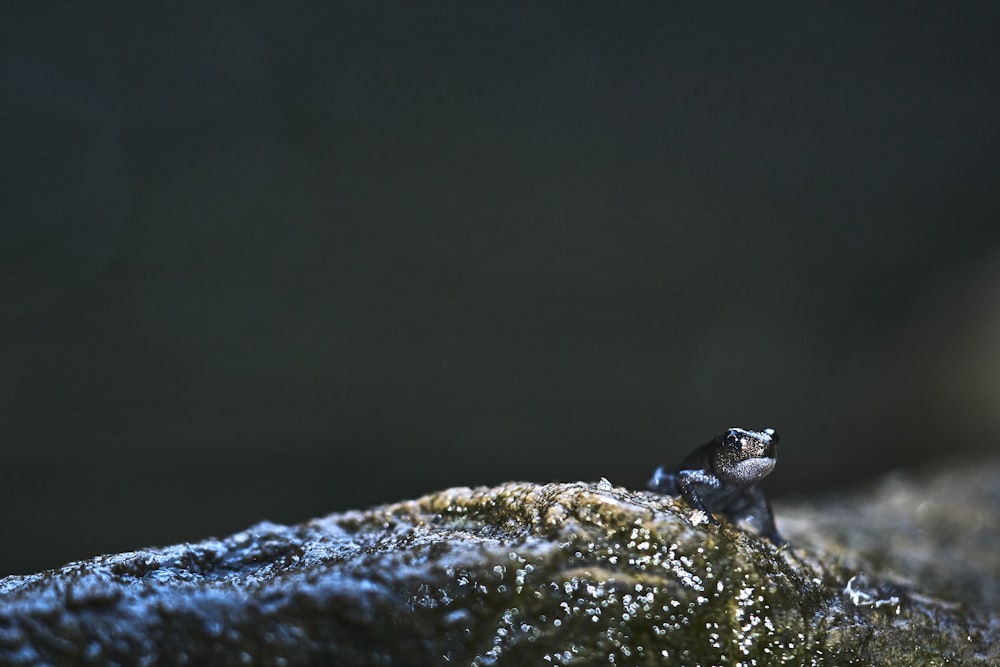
721	476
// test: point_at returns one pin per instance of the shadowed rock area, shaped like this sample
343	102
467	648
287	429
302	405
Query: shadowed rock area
561	574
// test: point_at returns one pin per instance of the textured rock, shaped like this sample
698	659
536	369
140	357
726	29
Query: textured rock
559	574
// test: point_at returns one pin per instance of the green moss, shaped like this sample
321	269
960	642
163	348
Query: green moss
591	574
559	574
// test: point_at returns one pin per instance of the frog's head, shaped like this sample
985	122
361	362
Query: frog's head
743	457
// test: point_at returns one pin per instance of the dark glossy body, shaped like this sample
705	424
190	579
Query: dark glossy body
721	476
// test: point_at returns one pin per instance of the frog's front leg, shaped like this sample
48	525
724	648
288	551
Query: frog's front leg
688	484
760	513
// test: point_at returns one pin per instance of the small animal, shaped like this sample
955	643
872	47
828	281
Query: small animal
721	477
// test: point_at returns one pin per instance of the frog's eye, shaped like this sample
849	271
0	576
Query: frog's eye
732	438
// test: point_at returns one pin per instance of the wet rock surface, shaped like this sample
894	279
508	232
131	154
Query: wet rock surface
560	574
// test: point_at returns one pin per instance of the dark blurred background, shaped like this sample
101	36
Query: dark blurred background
272	260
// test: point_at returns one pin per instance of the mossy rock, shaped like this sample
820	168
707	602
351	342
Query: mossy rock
519	574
